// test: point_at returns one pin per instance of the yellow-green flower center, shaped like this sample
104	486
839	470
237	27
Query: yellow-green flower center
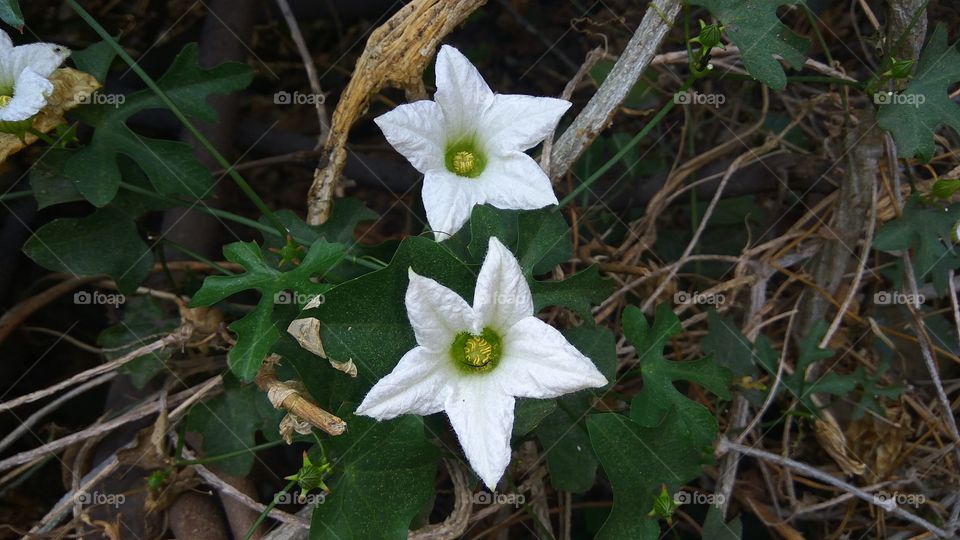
473	353
464	158
5	100
477	351
463	162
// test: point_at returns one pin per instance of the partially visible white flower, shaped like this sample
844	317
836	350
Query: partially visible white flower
24	77
469	143
473	361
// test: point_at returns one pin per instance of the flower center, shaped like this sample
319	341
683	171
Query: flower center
464	158
463	162
5	100
476	353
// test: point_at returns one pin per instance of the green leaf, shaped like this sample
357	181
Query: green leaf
729	347
578	292
754	27
659	397
637	460
540	239
926	232
715	529
528	413
365	319
170	165
143	320
76	246
229	423
10	13
563	435
95	60
383	474
50	186
914	115
257	331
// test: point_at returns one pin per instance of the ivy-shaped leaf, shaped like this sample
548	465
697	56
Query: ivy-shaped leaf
754	27
637	460
76	246
926	231
256	331
915	114
658	396
578	292
170	165
381	469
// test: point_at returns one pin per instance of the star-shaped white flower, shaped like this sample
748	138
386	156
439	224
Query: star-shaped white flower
472	362
469	143
24	77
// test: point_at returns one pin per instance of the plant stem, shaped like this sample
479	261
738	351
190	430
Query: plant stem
194	255
228	455
237	178
229	216
16	195
627	147
263	515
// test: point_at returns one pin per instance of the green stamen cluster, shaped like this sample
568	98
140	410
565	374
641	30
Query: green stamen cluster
476	354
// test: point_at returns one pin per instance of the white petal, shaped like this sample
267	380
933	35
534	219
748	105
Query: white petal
416	131
482	418
418	385
538	362
437	314
517	122
29	96
502	296
448	200
42	58
461	92
516	182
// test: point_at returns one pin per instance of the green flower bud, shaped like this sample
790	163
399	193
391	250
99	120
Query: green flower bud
663	505
709	35
899	69
311	476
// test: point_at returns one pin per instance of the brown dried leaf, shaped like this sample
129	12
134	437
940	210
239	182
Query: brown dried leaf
70	88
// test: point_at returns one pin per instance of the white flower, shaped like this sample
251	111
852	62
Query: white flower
469	143
473	361
24	74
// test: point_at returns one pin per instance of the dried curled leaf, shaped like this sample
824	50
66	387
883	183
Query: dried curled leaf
70	88
832	439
